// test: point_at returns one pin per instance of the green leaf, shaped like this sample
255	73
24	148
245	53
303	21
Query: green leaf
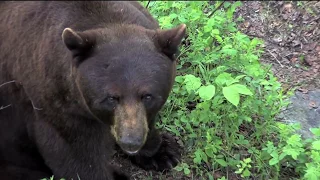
293	152
186	171
295	140
247	118
232	81
173	15
247	160
231	52
315	155
246	173
179	79
215	32
255	42
222	162
265	82
282	155
240	76
197	159
221	69
192	82
242	89
315	131
178	168
209	152
223	78
207	92
182	19
312	173
231	94
218	38
316	145
204	156
273	161
226	4
270	147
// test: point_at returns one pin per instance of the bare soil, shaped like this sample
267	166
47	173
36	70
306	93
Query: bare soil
291	32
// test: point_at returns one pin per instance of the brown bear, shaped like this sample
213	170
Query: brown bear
78	78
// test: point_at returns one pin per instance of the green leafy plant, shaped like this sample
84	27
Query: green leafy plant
244	168
224	102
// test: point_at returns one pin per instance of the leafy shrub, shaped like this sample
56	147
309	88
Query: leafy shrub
224	102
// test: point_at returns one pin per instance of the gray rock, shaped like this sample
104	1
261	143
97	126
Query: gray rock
304	109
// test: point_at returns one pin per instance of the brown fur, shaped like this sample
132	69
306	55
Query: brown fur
80	70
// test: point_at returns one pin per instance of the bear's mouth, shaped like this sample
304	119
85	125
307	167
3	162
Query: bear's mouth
130	145
132	152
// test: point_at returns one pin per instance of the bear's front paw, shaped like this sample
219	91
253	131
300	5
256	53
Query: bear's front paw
167	156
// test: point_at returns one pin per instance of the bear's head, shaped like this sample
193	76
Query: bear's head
125	74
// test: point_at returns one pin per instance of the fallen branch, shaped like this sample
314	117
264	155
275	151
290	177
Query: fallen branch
275	57
216	9
148	4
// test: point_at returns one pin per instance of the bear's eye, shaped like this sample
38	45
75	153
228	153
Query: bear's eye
111	100
147	97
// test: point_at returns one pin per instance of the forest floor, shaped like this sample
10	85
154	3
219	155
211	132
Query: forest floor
291	32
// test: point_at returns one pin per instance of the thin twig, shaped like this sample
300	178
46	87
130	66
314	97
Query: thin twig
148	4
216	9
275	57
7	83
184	51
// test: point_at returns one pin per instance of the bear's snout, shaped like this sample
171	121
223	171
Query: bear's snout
130	128
131	144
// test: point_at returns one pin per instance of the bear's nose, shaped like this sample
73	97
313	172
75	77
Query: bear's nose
130	145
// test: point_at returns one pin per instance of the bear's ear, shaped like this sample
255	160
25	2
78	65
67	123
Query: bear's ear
169	40
77	42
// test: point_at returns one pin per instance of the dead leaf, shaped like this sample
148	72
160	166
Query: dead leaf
318	49
217	175
246	24
277	40
310	46
308	74
313	104
296	43
287	8
305	17
308	34
293	60
309	60
304	91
